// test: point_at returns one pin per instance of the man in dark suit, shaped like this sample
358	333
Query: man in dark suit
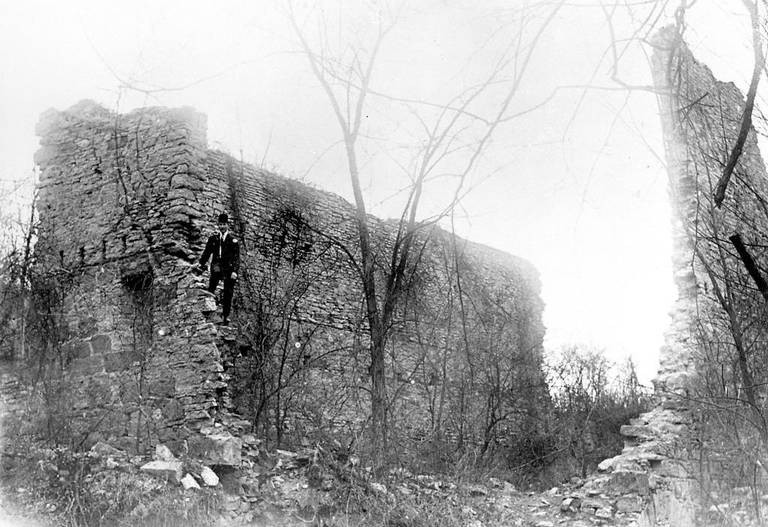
225	250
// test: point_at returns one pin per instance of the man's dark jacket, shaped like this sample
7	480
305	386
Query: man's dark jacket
229	261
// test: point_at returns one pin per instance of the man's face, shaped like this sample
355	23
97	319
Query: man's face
223	228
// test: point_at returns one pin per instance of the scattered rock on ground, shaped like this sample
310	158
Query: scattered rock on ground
216	446
378	488
104	450
570	504
168	470
188	482
163	453
209	477
604	513
476	490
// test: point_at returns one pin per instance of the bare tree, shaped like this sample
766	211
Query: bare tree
592	398
455	135
16	255
276	331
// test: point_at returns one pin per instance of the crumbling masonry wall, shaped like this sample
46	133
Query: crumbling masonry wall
662	473
126	327
291	234
715	347
126	203
701	118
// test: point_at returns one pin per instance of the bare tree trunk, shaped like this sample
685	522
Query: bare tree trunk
725	298
750	265
347	91
746	116
350	127
437	429
24	279
378	397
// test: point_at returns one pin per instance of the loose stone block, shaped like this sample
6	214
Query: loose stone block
163	453
105	450
188	482
217	448
209	477
167	470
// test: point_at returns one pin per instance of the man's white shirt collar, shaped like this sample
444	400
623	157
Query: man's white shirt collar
222	237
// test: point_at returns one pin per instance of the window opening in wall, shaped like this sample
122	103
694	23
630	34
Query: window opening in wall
139	293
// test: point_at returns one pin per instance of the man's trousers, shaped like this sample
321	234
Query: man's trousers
229	289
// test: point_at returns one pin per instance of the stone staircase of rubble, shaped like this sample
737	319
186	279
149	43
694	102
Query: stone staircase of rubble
648	483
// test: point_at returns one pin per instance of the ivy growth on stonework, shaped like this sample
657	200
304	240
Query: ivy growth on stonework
292	238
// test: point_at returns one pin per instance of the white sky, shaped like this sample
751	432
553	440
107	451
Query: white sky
585	202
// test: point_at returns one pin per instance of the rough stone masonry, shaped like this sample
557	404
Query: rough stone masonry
125	205
657	479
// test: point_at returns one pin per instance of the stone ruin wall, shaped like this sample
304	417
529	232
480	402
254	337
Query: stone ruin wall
140	360
330	313
656	480
126	203
125	199
701	118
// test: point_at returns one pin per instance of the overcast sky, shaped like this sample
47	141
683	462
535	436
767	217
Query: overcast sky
578	186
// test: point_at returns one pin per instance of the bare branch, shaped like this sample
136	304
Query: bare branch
746	116
749	264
